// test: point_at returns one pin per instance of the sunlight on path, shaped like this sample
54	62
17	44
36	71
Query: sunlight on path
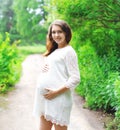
16	107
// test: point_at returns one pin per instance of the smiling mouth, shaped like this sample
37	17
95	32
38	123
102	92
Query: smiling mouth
58	39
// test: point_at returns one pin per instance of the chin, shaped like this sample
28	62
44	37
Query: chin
59	43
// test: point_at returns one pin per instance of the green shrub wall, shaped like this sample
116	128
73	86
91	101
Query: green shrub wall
10	64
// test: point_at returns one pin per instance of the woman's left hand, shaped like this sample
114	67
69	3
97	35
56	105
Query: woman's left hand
50	94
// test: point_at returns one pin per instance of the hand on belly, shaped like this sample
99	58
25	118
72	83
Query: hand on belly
45	68
50	94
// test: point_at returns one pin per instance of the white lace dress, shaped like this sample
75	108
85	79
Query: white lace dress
63	71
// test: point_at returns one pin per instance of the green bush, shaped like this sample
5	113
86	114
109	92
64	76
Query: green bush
117	93
98	79
10	67
115	124
92	77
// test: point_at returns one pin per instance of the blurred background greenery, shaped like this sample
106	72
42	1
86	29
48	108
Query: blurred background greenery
96	38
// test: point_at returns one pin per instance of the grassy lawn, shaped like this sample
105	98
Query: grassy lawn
34	49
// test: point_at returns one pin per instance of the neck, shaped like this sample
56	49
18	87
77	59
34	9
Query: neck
62	45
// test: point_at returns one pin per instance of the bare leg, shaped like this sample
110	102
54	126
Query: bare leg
44	124
58	127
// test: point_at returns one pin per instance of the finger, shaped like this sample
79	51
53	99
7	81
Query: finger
47	89
46	66
47	96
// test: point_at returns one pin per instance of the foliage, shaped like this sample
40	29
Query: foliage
96	31
30	16
117	93
6	15
97	84
22	19
9	64
96	21
7	20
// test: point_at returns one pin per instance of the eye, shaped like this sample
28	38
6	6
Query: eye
59	31
53	32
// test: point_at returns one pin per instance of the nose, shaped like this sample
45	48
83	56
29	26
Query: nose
56	34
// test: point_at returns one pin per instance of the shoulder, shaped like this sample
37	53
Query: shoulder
70	50
70	53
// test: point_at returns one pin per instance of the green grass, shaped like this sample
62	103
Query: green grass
28	50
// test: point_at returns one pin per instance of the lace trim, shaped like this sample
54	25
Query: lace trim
55	121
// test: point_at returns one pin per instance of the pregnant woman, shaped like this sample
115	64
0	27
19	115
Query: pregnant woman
53	99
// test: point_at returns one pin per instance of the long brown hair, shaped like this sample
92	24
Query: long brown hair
51	45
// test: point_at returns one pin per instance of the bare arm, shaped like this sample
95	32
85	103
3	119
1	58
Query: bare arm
54	93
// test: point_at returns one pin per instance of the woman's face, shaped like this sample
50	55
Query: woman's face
58	35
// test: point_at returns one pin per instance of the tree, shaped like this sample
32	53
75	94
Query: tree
95	21
6	15
30	16
7	20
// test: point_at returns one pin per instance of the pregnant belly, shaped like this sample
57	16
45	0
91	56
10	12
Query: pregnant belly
45	81
42	82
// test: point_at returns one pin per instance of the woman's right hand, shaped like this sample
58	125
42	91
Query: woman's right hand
45	68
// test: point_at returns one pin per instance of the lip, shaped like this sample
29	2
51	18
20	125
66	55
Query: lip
57	39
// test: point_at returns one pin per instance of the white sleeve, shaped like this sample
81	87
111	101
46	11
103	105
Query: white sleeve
71	62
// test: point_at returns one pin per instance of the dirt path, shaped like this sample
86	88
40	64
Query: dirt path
16	107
